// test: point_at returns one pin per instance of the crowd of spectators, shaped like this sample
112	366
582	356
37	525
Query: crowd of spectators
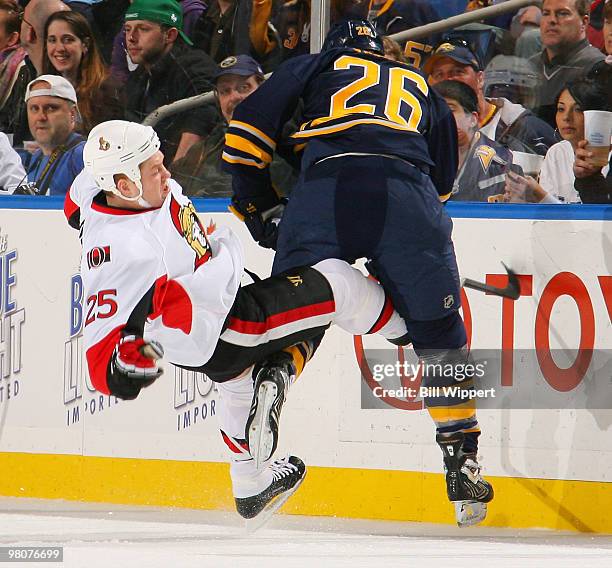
518	85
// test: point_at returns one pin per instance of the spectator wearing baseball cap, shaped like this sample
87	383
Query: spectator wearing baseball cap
199	173
165	12
508	123
51	104
120	63
236	78
169	69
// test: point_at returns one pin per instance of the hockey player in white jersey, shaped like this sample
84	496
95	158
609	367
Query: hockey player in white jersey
157	284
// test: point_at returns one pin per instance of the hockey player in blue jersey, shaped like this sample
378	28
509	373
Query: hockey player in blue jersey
378	154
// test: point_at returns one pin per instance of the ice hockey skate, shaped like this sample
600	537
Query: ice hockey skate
286	475
270	390
465	487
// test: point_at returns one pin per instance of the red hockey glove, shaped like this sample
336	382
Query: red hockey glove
137	359
133	366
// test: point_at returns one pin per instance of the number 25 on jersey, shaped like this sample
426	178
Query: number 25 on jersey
101	305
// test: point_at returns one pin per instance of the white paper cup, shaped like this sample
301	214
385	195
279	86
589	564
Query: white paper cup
531	163
598	133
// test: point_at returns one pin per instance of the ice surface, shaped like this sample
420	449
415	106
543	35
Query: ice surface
103	536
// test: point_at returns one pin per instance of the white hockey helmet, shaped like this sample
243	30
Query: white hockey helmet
118	147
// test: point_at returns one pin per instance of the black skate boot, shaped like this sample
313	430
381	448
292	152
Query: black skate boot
287	475
468	491
271	386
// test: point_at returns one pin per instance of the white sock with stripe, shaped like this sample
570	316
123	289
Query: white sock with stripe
235	398
361	304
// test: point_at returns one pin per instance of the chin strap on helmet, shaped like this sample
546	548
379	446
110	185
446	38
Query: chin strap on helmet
134	198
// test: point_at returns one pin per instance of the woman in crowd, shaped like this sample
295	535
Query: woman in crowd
556	181
71	51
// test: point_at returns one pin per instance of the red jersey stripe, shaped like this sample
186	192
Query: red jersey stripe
98	358
384	317
70	207
282	318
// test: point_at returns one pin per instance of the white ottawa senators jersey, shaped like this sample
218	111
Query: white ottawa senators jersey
154	273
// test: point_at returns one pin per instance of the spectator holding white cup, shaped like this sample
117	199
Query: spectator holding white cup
593	158
598	133
590	182
556	183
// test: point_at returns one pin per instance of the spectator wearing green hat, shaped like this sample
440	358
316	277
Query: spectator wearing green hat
169	69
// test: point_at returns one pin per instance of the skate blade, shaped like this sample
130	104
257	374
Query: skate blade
261	439
468	513
258	522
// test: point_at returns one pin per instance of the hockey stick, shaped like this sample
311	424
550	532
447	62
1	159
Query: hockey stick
512	289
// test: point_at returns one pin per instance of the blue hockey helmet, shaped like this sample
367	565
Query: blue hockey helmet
360	34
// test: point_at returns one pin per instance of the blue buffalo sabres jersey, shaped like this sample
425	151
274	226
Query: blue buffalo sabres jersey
353	102
483	173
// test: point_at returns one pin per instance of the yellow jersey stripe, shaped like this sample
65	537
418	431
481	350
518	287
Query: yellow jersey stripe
346	125
244	161
244	145
382	10
254	131
235	211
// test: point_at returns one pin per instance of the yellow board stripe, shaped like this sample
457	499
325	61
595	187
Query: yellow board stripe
136	481
355	493
240	143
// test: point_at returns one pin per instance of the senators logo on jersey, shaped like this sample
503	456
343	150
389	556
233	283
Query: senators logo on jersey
188	225
98	256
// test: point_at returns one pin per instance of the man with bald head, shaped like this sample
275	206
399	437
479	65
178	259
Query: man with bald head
32	35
